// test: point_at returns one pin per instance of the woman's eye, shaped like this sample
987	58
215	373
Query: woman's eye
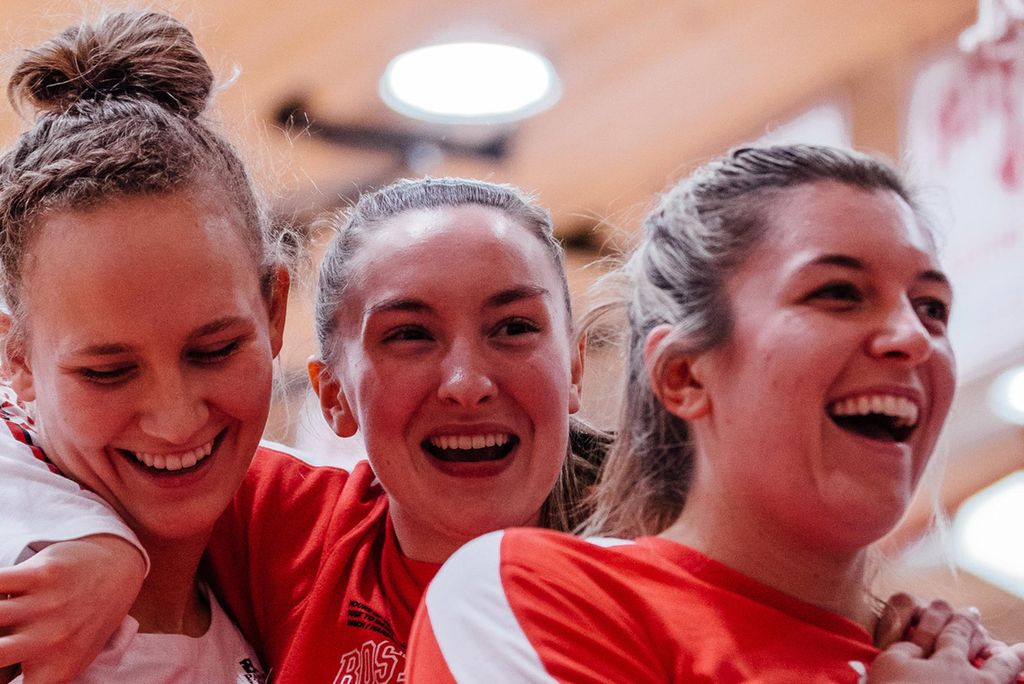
932	309
840	292
516	326
407	333
215	354
107	376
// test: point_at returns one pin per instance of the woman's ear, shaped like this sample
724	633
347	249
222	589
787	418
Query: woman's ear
333	403
16	369
576	375
673	376
280	282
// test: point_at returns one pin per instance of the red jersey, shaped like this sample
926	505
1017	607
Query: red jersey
540	606
307	562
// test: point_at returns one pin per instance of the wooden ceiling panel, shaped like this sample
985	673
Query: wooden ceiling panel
650	87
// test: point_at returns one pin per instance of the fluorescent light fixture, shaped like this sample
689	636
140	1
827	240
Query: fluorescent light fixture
986	532
1006	396
471	83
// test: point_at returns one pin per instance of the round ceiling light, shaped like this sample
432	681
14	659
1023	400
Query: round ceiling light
1006	396
469	83
982	527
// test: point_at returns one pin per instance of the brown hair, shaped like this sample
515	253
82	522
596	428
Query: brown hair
698	234
118	112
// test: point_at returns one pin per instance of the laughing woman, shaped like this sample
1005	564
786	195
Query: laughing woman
146	305
460	375
788	375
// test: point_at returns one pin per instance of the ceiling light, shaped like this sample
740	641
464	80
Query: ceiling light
986	532
469	83
1006	397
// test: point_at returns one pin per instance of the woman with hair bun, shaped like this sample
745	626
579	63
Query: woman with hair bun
788	373
147	299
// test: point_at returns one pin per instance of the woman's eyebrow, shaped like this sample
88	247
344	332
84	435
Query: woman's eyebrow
841	260
115	348
938	277
853	263
397	304
217	326
515	294
104	349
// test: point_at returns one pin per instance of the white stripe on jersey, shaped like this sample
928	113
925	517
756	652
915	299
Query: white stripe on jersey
478	584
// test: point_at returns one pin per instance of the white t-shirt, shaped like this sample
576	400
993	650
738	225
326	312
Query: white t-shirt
37	508
221	656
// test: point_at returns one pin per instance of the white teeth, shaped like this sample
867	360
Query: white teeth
902	409
175	461
469	441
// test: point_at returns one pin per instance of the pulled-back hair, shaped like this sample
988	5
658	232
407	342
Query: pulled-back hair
375	208
562	507
117	112
697	235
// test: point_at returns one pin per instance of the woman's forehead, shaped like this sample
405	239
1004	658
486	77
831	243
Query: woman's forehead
464	254
844	219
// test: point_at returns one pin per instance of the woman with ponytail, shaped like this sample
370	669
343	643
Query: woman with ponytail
788	373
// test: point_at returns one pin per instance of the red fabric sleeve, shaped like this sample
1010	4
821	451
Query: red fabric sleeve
265	549
426	657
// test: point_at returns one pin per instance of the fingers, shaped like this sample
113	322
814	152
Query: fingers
904	650
25	633
930	623
954	641
12	613
1005	663
12	649
17	579
900	662
953	657
899	615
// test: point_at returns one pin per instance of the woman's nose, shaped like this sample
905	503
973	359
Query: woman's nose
902	336
465	380
175	409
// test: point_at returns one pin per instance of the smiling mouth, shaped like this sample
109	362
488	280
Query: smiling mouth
470	448
881	417
177	463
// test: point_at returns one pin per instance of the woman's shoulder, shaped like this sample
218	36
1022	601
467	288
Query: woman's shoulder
511	566
279	468
537	595
282	492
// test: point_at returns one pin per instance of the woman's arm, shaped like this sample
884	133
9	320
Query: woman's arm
65	602
72	568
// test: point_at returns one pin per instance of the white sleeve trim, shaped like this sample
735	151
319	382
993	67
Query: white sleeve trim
473	623
607	542
39	507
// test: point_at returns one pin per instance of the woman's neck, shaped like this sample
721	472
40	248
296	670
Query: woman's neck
170	601
433	541
760	549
